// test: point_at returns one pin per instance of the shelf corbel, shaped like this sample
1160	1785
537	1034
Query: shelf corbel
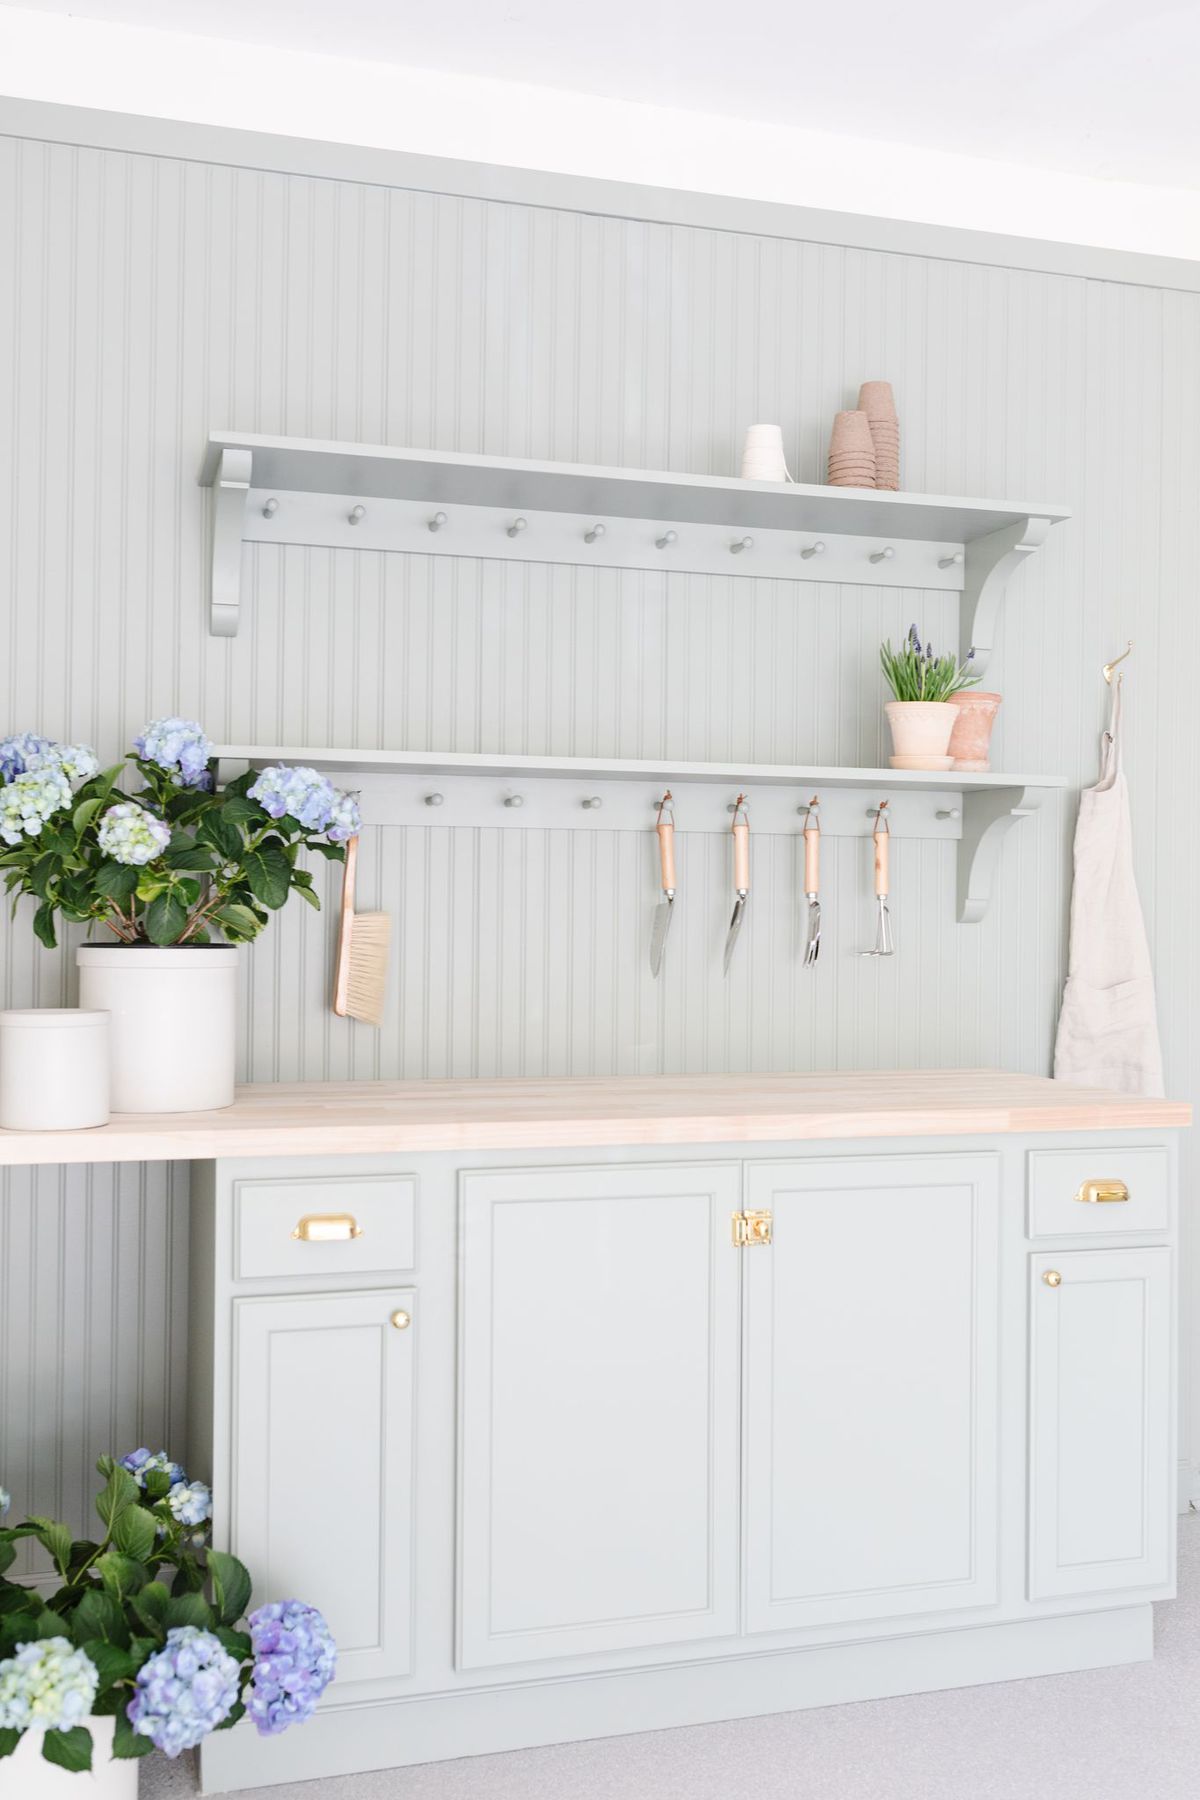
988	817
990	561
231	493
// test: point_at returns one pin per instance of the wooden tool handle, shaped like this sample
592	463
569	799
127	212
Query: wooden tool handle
812	858
341	979
881	860
741	852
666	852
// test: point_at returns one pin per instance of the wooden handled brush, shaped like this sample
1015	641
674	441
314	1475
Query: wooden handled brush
362	953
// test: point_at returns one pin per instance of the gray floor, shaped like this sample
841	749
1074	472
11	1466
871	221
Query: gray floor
1114	1734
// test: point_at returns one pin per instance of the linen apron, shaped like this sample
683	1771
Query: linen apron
1108	1026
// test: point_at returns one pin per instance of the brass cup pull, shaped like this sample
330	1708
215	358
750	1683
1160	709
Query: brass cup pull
1052	1278
401	1320
327	1228
1094	1192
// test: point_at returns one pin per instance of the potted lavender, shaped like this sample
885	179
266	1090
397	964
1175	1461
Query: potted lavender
922	714
175	876
142	1646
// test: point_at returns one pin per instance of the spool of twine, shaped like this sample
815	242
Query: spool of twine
762	457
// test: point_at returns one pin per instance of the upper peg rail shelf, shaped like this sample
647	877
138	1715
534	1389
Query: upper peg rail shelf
374	497
485	790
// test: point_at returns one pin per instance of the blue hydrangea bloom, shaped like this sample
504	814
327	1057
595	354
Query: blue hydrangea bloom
345	819
48	1685
184	1691
130	834
304	794
30	799
190	1502
143	1462
180	747
294	1660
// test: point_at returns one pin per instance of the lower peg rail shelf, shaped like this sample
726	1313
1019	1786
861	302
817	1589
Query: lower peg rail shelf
472	790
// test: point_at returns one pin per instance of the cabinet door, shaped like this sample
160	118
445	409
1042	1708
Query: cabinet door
1101	1408
871	1387
598	1416
322	1465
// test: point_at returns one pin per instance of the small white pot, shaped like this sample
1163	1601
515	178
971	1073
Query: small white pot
26	1775
921	733
174	1023
53	1069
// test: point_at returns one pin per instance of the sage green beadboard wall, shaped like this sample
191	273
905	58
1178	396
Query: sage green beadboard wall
144	299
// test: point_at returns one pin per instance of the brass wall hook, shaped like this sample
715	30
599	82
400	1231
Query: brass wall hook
1108	668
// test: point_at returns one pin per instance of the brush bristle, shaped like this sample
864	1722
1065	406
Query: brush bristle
369	939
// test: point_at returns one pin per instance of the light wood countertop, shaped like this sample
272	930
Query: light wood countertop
345	1118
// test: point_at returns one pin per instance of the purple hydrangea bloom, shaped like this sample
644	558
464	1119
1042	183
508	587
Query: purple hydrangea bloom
180	747
17	752
294	1660
345	820
184	1691
301	793
143	1462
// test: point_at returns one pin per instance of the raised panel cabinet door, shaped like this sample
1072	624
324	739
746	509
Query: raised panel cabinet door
323	1464
871	1389
598	1459
1101	1480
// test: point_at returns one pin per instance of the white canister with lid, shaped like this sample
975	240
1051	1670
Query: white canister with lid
54	1069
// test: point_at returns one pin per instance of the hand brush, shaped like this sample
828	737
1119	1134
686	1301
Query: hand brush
362	953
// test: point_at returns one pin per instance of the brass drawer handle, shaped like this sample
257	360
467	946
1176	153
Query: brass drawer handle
327	1228
1094	1192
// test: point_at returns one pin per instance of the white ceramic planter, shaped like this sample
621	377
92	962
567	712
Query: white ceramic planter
53	1069
921	733
174	1022
26	1775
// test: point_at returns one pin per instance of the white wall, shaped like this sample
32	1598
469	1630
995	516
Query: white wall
147	298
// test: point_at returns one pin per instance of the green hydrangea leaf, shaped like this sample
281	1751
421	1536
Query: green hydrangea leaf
56	1539
231	1586
118	1494
135	1533
269	873
126	1741
122	1574
71	1750
189	1609
9	1739
98	1615
115	881
166	918
43	925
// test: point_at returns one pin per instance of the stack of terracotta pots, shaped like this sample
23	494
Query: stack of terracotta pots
877	402
851	452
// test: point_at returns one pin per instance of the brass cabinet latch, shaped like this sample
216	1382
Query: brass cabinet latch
327	1228
751	1228
1092	1192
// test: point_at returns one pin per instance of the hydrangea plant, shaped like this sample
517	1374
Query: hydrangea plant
145	1628
174	863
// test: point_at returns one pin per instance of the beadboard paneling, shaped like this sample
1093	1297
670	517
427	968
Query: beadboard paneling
145	300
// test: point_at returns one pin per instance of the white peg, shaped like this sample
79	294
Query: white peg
950	562
357	514
949	812
270	508
667	538
437	521
514	800
597	531
592	802
817	549
517	527
746	543
884	555
434	799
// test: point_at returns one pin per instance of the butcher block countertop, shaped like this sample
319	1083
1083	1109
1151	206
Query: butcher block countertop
361	1117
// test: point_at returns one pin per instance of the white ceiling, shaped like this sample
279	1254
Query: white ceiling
1098	87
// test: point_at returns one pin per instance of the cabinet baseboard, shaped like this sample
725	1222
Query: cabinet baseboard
522	1715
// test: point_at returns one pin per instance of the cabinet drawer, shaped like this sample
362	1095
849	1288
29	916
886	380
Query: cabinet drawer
326	1225
1130	1190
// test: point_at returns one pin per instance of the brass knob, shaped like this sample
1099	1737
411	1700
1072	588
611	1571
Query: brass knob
1052	1278
401	1320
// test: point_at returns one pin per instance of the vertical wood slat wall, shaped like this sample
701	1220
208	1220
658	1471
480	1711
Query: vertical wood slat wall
144	300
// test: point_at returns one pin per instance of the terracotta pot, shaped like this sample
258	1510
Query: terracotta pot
972	734
921	733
